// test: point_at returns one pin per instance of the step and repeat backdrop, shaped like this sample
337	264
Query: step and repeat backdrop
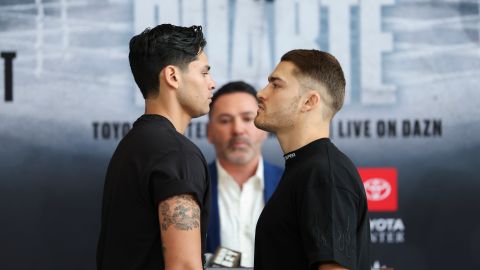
411	121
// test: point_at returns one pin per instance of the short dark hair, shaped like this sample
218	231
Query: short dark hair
233	87
163	45
323	68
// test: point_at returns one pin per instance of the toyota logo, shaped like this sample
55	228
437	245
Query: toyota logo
377	189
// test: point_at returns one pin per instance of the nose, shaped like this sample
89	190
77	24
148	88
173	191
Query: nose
212	85
238	126
261	94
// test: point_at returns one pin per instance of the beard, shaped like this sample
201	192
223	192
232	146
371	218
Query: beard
279	119
239	155
265	123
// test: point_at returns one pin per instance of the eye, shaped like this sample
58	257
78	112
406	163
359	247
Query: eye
224	121
248	119
275	84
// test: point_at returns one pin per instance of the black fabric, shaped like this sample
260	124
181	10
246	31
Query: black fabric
152	163
317	214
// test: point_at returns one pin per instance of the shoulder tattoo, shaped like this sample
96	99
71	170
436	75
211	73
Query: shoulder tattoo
180	211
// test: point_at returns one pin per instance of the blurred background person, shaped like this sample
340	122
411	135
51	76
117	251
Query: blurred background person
242	181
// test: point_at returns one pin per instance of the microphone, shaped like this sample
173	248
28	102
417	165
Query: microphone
225	257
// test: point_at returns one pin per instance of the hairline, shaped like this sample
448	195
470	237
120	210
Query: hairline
320	87
227	94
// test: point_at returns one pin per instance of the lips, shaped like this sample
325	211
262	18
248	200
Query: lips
239	143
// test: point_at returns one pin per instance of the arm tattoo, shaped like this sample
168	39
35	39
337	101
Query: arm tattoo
180	211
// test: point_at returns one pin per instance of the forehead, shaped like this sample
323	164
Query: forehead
235	103
202	57
200	62
284	70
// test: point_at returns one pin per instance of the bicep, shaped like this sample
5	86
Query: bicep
179	218
331	266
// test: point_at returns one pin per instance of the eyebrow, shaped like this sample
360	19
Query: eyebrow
272	78
246	113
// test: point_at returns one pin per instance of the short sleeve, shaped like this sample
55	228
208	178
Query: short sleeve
175	174
327	219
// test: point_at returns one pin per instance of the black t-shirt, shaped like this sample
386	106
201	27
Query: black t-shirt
152	163
318	213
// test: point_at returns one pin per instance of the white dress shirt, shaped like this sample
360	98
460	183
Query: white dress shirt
239	210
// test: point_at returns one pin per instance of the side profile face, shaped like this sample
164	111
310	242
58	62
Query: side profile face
279	100
231	129
195	89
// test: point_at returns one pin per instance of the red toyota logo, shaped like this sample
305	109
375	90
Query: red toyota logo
377	189
381	188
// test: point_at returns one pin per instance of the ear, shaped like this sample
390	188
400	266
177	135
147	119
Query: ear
312	100
172	76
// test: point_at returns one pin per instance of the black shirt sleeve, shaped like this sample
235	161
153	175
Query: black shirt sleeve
327	221
175	174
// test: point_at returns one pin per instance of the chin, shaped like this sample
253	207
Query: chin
200	113
259	123
239	159
265	126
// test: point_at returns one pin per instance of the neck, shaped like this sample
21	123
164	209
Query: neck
170	110
240	172
300	135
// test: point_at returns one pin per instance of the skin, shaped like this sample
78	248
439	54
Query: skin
236	140
279	101
180	224
183	95
290	110
293	112
330	266
195	89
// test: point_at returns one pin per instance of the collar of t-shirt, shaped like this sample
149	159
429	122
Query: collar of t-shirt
304	152
152	118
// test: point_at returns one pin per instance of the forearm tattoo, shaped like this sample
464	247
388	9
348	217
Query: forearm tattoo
180	211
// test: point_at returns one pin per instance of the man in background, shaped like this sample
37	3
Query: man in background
157	189
242	181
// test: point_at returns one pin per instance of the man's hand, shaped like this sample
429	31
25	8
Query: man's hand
180	231
331	266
